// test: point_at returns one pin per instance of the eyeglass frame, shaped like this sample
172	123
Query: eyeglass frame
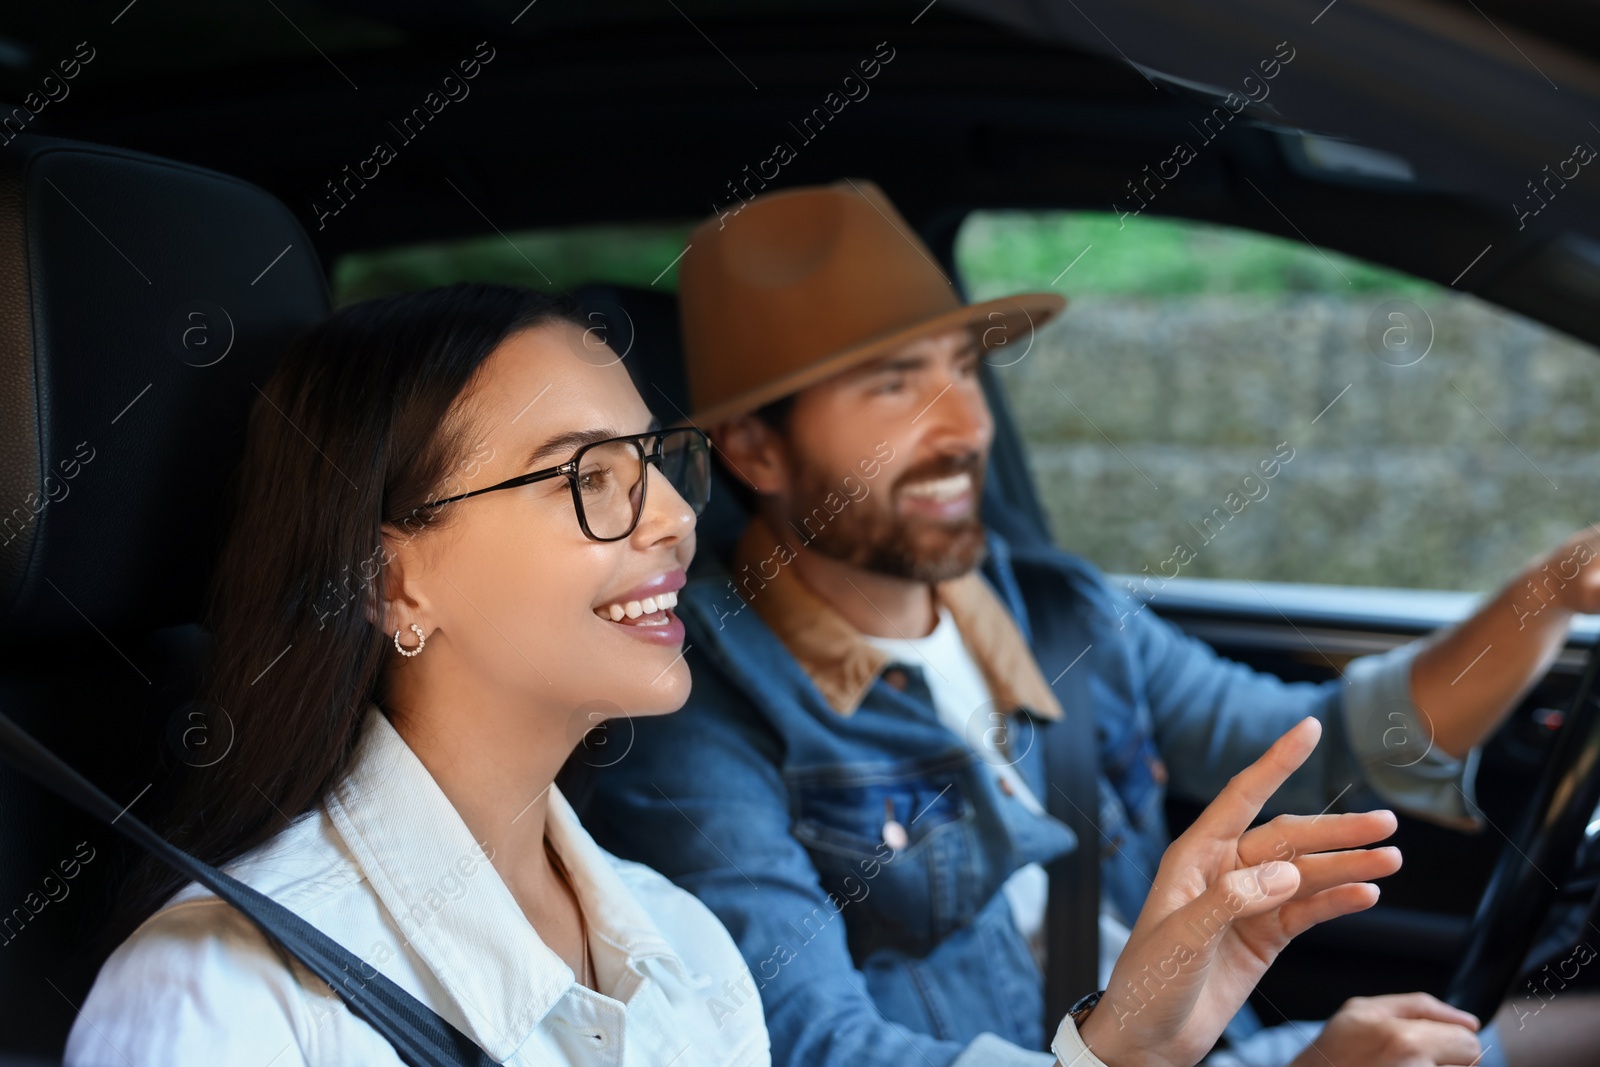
569	470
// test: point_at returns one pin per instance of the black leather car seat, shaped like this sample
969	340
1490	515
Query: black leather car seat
141	302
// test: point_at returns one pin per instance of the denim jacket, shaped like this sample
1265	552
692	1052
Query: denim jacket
767	795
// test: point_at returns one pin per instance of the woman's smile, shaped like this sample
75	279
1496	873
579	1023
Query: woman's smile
645	611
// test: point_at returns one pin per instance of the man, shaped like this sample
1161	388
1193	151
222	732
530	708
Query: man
855	788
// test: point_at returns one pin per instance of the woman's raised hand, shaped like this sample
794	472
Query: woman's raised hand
1225	902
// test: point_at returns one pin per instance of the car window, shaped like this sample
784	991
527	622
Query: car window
1218	403
637	254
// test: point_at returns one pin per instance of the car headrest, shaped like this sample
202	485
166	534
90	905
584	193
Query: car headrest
641	326
141	303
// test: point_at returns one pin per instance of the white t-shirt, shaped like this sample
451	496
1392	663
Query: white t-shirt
963	703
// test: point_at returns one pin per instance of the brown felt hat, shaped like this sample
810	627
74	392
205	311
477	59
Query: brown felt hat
799	285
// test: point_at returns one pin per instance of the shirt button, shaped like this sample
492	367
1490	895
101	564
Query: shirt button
896	677
1158	770
1007	788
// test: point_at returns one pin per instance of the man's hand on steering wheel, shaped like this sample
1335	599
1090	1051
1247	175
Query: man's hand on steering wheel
1398	1030
1575	564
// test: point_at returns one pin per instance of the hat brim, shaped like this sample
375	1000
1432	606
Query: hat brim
1027	311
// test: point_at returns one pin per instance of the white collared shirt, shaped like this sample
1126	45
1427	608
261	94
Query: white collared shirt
387	868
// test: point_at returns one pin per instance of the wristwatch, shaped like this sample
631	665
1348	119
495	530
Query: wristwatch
1083	1006
1069	1046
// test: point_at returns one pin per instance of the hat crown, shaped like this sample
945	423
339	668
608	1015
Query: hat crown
795	277
784	241
795	286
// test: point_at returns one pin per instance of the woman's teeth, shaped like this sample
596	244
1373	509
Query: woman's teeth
633	609
941	489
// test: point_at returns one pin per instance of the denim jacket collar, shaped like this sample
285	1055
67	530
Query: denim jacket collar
415	850
843	665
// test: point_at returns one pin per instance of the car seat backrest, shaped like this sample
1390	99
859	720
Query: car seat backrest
142	302
641	326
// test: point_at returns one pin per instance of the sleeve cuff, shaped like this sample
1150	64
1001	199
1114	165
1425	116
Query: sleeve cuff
1069	1047
1393	743
991	1050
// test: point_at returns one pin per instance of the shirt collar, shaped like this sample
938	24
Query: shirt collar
450	904
843	664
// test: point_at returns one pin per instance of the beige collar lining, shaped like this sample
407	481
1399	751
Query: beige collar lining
843	665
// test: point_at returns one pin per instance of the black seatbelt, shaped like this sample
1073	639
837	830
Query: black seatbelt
1072	774
1072	915
420	1036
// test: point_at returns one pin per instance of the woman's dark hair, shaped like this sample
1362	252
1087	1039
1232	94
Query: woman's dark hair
351	432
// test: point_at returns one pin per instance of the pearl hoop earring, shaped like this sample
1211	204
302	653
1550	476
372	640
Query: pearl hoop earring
421	640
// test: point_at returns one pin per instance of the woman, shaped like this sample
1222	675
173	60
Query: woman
456	547
406	659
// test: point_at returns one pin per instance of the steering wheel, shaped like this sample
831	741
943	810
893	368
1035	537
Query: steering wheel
1537	860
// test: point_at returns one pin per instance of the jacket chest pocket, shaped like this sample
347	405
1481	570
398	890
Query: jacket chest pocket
893	844
1130	761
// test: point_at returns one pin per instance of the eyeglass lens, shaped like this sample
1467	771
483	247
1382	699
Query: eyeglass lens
609	479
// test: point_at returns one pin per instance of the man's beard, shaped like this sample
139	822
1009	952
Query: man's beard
878	539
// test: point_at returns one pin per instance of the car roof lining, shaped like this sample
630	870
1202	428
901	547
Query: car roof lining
639	118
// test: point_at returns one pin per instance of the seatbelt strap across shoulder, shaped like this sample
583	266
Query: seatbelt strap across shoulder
420	1036
1072	787
1072	913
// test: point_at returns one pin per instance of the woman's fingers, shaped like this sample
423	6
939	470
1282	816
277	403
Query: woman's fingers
1298	916
1228	816
1240	894
1290	836
1325	870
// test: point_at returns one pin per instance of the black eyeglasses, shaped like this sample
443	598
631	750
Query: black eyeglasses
609	478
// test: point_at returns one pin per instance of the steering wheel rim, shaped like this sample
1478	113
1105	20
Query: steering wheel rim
1537	860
